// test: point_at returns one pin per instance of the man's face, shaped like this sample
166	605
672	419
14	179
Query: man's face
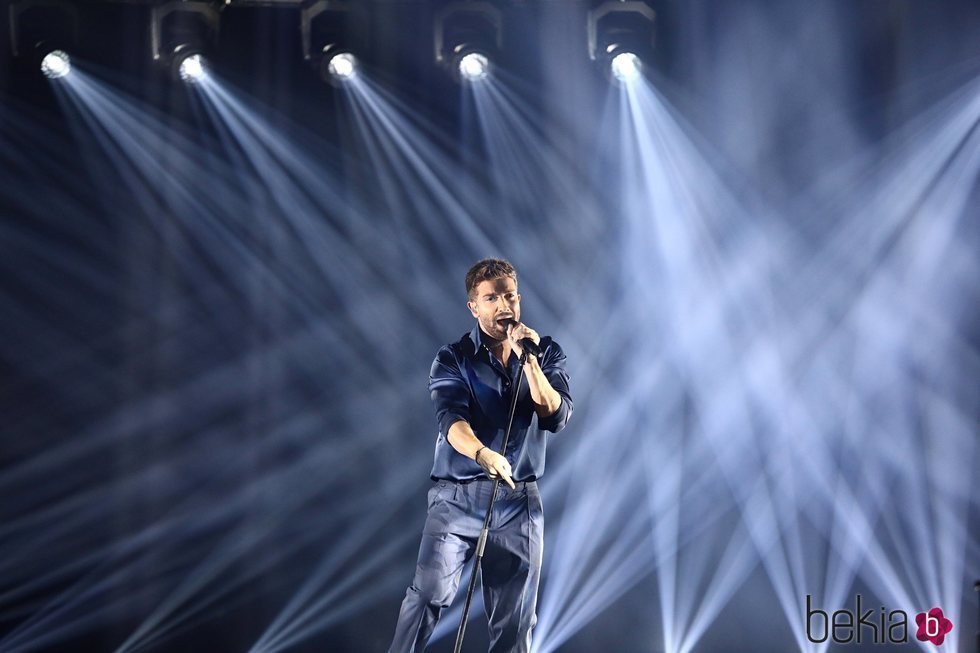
495	304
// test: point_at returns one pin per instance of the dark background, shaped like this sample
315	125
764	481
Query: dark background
106	329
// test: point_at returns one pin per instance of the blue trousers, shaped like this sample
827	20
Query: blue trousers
510	571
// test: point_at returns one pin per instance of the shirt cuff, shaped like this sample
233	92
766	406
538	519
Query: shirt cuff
557	420
448	420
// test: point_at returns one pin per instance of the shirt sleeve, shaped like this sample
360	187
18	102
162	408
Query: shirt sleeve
450	394
553	366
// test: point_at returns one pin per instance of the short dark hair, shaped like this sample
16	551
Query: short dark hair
488	269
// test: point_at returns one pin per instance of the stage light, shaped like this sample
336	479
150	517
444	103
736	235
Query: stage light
180	34
467	38
621	36
343	65
626	66
474	66
328	30
43	33
338	65
56	64
192	68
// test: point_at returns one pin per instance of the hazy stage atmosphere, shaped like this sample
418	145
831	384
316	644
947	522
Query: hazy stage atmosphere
222	286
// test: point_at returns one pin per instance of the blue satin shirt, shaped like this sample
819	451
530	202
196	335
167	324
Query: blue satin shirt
468	383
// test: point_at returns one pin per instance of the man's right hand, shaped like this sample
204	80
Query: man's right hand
495	465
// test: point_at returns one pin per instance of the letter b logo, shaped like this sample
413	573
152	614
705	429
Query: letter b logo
933	626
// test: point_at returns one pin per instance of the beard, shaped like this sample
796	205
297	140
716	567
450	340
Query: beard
494	329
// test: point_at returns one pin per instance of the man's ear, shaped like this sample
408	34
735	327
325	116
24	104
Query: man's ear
472	306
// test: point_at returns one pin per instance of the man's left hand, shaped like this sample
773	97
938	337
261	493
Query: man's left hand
519	331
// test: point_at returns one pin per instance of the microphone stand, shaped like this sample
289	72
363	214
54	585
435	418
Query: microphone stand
481	543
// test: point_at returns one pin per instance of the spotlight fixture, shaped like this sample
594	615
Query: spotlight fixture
621	36
56	64
44	32
342	65
467	39
474	66
337	64
192	67
626	66
327	28
181	33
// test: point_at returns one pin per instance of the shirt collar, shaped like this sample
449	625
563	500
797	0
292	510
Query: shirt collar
477	336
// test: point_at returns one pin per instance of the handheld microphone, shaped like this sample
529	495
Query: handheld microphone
528	345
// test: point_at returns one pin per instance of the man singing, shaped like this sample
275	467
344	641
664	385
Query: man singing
471	383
